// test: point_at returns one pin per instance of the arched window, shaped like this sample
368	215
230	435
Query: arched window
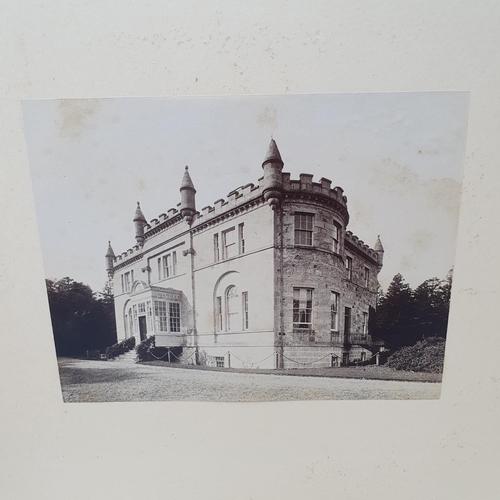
232	309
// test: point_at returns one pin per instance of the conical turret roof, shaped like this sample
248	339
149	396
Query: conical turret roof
378	245
273	153
110	252
187	183
138	214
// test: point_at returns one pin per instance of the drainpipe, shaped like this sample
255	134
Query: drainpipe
193	295
281	290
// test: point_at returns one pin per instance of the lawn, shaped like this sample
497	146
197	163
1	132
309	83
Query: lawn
118	381
370	372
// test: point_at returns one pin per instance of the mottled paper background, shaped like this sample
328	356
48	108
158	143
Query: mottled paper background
352	450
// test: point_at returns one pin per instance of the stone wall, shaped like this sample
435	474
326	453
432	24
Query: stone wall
315	267
311	356
319	268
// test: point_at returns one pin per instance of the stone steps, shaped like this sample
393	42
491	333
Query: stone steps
128	357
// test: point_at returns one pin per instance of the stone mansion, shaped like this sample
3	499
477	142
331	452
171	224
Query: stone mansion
268	278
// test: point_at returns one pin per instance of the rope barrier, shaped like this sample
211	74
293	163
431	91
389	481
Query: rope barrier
310	362
156	357
250	362
185	359
172	354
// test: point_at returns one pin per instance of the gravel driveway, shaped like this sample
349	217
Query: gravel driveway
100	381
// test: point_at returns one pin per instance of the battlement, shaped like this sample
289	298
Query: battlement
360	245
235	198
305	184
148	232
124	256
160	220
242	195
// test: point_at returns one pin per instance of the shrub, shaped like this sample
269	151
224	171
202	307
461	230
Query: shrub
120	348
144	347
425	356
129	343
148	351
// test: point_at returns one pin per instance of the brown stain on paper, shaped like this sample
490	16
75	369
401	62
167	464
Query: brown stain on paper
77	117
421	240
267	118
439	194
140	184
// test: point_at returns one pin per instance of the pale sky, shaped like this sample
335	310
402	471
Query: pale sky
398	157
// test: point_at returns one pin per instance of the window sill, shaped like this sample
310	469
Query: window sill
225	259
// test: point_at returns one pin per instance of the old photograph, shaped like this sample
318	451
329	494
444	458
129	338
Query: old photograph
249	248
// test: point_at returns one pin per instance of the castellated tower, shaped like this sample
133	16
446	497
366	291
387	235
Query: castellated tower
290	287
139	222
188	192
273	182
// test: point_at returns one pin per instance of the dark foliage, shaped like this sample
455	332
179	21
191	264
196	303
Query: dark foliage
81	319
148	351
425	356
143	348
406	316
120	348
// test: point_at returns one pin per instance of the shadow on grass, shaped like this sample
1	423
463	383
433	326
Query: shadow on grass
75	376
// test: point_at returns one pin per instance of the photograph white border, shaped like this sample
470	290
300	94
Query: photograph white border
386	449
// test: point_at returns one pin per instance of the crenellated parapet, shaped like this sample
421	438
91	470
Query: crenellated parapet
274	188
305	184
155	226
352	242
164	221
321	192
239	199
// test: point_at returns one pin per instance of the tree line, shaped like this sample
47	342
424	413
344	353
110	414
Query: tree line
85	320
405	316
81	319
